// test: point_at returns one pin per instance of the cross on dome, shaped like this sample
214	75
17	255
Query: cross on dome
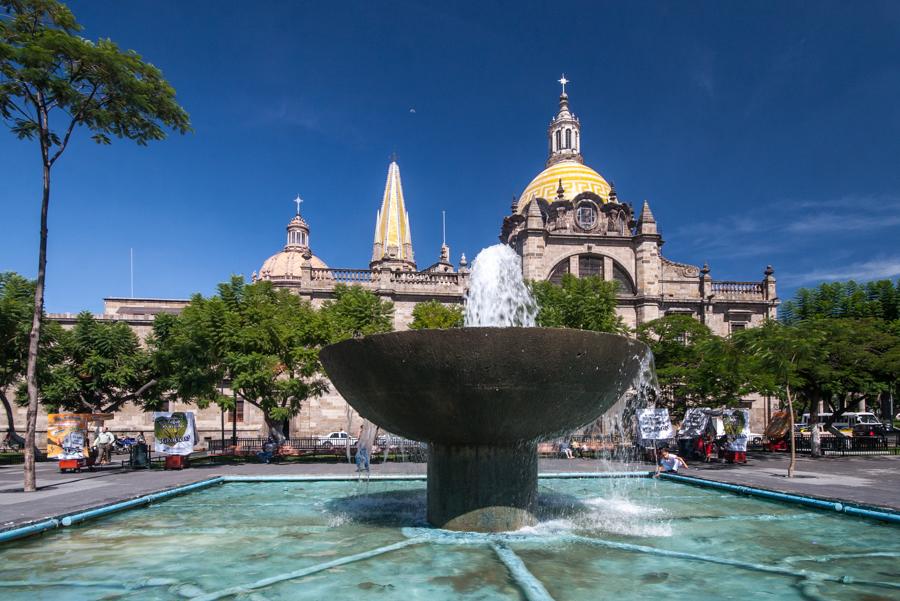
298	200
563	81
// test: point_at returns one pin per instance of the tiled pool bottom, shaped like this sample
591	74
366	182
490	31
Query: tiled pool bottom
598	539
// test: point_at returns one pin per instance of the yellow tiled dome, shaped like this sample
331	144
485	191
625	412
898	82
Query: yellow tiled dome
576	178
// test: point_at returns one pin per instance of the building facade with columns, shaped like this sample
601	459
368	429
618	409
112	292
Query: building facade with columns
568	219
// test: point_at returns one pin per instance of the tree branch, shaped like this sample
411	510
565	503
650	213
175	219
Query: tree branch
75	120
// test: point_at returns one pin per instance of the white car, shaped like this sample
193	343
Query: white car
337	439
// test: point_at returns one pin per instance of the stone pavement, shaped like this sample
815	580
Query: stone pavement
864	480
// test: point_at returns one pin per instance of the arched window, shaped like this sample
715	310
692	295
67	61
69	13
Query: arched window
558	139
589	265
625	285
568	138
559	271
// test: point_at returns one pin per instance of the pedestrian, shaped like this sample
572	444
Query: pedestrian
104	443
566	449
668	462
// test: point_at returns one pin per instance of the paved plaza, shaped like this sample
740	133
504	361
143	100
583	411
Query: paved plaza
871	481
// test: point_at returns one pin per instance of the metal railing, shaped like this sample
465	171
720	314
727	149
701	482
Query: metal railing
398	449
831	446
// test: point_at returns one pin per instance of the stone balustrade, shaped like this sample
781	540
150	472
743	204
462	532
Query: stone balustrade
750	290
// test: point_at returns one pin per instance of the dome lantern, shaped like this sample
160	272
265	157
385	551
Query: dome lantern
564	133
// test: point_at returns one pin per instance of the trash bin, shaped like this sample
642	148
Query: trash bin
140	455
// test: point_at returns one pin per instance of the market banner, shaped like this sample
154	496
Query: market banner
654	424
737	428
694	424
67	435
174	433
779	426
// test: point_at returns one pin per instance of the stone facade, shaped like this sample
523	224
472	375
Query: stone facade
569	219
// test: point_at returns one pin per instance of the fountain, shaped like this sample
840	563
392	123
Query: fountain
483	396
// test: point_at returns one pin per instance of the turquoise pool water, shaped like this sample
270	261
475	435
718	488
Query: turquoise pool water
598	539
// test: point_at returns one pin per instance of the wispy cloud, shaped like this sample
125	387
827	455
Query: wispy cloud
862	271
775	226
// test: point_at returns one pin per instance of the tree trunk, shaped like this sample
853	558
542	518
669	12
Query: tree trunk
815	442
275	429
793	464
35	338
11	433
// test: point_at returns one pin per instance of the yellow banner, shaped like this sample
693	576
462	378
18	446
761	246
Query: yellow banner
67	435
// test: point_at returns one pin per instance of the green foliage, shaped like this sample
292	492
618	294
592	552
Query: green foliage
879	299
16	306
46	68
356	312
434	315
580	303
97	366
263	340
693	366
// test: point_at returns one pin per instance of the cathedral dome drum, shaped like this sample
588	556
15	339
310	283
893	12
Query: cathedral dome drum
575	177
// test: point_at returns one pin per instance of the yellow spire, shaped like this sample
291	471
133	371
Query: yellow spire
393	242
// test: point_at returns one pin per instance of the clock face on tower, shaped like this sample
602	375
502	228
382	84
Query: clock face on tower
586	216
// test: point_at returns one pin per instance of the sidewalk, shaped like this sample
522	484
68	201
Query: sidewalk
863	480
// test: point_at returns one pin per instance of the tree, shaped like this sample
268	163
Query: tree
98	367
693	366
53	81
782	356
16	298
264	341
844	300
581	303
435	315
356	312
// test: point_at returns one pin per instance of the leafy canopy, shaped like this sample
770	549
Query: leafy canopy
265	341
581	303
432	314
46	68
356	312
98	366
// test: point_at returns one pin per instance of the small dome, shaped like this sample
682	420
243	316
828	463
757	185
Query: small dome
576	178
287	264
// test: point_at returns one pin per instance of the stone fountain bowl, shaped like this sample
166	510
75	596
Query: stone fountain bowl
484	386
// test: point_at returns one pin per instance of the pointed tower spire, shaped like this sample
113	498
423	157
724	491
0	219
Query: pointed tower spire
392	247
646	222
564	133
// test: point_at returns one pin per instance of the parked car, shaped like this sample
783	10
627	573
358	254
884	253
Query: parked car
337	439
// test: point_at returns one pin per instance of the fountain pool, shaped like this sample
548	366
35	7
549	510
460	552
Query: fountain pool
622	539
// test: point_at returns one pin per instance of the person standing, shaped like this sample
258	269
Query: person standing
104	443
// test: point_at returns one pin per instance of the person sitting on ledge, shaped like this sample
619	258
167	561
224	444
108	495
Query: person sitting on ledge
668	462
268	451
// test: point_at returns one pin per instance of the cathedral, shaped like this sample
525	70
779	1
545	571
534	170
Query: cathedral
568	219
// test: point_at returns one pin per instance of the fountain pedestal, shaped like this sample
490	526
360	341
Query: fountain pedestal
481	397
482	488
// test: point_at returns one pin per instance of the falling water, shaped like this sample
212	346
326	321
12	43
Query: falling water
498	296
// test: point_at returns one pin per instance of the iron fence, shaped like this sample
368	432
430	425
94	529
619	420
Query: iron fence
884	444
389	448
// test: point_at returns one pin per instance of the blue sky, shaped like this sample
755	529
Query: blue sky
760	132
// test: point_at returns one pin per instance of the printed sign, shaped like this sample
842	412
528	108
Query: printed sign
737	428
694	424
174	433
654	424
779	425
67	435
